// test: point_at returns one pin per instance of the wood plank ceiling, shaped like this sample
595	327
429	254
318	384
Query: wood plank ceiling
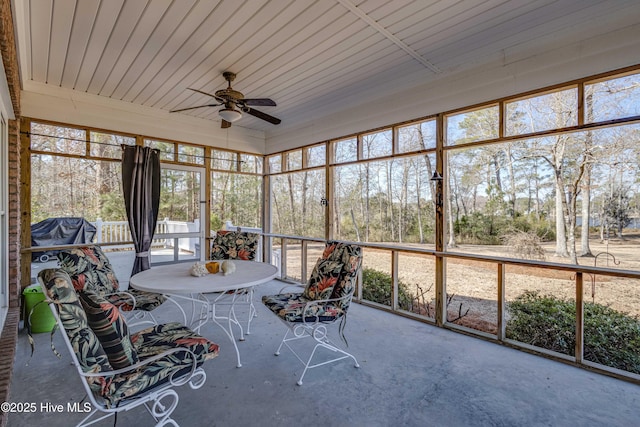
312	57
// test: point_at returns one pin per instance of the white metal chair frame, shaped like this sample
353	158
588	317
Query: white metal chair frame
318	331
135	317
153	400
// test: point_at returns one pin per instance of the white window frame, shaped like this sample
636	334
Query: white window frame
200	233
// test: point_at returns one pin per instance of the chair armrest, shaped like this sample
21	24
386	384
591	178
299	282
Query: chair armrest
292	285
143	363
310	304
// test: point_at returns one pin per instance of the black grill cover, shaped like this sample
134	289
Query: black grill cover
60	231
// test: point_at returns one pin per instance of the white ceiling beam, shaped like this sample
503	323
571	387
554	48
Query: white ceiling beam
382	30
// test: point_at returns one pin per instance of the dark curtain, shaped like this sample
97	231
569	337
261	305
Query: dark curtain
141	189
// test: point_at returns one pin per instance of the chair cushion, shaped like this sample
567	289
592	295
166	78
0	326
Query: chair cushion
84	342
89	269
351	257
111	329
323	278
146	343
159	338
151	342
291	308
341	257
145	301
234	245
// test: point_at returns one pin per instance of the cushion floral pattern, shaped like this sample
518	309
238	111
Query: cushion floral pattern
292	307
85	343
157	339
150	342
351	257
146	301
114	388
90	270
111	329
234	245
323	279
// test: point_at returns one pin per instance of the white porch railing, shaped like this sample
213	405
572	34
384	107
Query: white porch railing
118	231
187	244
112	231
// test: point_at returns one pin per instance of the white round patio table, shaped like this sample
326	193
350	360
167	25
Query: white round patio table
175	281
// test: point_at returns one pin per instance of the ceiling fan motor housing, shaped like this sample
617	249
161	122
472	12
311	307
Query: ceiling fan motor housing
229	94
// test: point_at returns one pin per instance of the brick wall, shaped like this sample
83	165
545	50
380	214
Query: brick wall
9	55
9	335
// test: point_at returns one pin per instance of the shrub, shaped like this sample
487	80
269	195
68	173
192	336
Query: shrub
540	227
611	338
377	288
526	244
478	228
216	222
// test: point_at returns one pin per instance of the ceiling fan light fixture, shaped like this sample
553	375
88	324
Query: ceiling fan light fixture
230	115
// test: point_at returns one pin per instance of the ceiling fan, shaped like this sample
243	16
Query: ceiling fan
235	104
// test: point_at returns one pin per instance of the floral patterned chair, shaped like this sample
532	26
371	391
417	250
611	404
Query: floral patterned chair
239	245
324	301
90	270
235	245
121	371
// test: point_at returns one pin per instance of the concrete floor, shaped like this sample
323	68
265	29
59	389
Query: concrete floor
411	374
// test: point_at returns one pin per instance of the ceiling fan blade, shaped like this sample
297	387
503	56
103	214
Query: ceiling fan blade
261	115
262	102
199	91
225	124
193	108
208	94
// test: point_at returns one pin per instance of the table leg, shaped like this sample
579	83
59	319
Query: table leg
208	311
252	309
229	331
196	323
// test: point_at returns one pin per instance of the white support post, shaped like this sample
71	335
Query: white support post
99	223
